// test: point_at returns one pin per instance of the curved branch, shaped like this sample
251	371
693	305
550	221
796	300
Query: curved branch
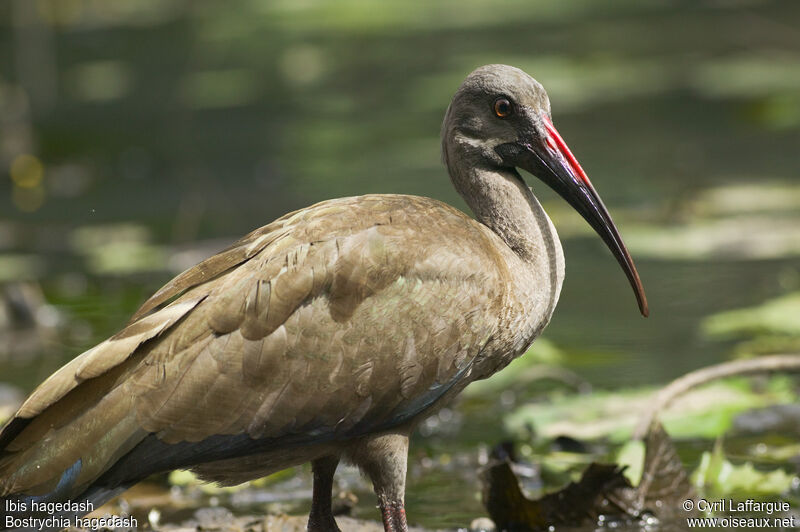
766	364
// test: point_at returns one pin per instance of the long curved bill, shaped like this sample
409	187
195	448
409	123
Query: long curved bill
562	172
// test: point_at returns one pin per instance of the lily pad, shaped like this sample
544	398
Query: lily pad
717	475
767	345
745	237
523	370
185	478
733	222
118	249
777	316
17	267
757	197
706	412
121	258
749	74
777	453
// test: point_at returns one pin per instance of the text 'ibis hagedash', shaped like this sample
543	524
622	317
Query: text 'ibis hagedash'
328	334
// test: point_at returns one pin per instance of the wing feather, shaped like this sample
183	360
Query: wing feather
348	315
102	357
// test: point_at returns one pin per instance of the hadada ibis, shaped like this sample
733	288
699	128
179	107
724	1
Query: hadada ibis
328	334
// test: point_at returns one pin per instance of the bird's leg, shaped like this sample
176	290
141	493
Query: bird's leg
383	459
321	517
394	517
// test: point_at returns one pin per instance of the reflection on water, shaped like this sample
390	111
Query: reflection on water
193	123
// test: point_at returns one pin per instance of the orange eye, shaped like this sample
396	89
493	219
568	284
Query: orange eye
503	108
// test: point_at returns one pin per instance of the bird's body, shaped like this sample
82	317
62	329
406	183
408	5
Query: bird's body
279	336
326	334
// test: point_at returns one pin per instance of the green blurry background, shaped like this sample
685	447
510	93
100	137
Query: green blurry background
138	137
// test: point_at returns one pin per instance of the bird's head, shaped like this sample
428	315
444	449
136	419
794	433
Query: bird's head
500	118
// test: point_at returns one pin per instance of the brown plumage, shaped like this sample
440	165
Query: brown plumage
328	333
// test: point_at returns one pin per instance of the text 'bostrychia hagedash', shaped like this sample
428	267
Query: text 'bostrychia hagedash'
329	333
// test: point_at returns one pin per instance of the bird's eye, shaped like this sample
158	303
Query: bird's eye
503	108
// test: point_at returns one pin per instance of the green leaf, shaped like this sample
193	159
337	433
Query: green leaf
631	455
521	370
706	412
718	476
777	316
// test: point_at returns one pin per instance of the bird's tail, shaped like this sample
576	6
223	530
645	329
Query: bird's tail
50	464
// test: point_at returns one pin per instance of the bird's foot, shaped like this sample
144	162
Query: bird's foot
394	517
322	523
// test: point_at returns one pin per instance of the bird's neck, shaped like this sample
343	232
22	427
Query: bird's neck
502	201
